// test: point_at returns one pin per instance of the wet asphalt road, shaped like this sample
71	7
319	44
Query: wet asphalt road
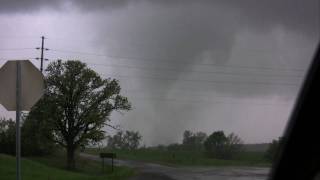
154	171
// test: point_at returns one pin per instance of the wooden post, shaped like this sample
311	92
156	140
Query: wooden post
112	164
108	155
102	165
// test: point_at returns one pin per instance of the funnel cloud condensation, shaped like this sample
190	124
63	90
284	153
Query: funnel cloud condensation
262	48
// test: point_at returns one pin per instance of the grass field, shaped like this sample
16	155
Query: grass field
52	168
186	158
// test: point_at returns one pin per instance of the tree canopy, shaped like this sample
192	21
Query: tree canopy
273	150
7	136
128	140
77	104
193	141
218	145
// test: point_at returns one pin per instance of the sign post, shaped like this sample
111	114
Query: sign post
21	86
107	155
18	114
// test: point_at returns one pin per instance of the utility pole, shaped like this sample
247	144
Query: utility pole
42	49
42	43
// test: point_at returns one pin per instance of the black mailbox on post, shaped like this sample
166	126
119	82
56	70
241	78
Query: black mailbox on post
107	155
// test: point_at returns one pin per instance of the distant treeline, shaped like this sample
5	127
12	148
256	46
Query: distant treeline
216	145
127	140
34	138
261	147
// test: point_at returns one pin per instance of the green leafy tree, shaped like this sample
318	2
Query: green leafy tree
129	140
132	140
218	145
215	144
115	141
200	138
36	133
273	149
234	145
188	139
175	147
78	104
7	136
193	141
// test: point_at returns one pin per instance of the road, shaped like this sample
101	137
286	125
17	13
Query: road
154	171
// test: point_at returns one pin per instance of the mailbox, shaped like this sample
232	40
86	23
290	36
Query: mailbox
107	155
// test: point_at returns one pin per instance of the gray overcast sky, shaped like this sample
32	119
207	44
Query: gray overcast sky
200	65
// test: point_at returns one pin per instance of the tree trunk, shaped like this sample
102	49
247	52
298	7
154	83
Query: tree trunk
71	164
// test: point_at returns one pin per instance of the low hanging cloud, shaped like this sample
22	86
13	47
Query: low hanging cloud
180	35
30	6
187	33
296	14
208	32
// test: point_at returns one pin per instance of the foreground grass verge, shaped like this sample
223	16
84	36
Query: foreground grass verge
186	158
51	168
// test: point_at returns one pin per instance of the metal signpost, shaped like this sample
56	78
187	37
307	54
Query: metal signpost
21	86
18	113
107	155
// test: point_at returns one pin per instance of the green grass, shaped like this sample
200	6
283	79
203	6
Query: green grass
52	168
187	158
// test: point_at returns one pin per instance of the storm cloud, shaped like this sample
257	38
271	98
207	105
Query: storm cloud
192	33
256	53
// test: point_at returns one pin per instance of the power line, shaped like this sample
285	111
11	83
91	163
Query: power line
15	49
9	58
139	43
160	78
188	71
189	80
158	60
18	37
204	81
204	101
189	93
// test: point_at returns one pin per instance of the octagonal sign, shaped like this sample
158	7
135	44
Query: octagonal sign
32	85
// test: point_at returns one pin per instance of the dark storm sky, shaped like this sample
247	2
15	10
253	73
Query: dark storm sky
200	65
